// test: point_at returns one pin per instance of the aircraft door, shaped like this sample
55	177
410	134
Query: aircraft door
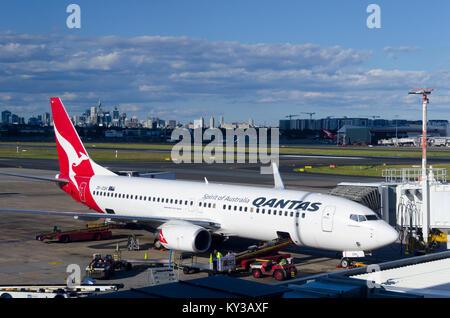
327	218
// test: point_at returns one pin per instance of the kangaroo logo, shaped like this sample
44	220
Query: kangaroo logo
74	159
162	238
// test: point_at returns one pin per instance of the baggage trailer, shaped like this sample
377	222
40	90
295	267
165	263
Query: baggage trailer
89	233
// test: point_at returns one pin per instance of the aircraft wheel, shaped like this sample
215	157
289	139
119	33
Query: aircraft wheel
345	262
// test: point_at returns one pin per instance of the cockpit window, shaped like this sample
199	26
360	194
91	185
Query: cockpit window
362	218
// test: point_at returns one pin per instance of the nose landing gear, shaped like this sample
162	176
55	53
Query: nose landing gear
348	259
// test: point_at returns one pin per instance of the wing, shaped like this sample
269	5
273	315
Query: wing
204	223
35	177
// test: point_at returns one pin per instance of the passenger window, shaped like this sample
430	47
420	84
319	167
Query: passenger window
209	205
240	208
257	210
245	209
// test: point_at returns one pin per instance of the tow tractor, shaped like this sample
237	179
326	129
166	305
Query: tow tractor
280	271
90	232
104	268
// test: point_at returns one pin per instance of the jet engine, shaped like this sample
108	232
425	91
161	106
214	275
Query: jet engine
185	237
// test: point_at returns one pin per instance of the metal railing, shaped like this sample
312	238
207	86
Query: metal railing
414	175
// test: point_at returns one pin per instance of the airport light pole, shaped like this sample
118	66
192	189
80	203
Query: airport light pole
425	182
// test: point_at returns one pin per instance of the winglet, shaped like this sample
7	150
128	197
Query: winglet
276	177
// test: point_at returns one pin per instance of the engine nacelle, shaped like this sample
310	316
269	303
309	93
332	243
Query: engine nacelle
185	237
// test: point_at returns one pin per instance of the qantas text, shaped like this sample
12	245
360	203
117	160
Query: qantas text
262	202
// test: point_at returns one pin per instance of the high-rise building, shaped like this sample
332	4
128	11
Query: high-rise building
6	117
171	124
221	121
46	119
199	123
211	122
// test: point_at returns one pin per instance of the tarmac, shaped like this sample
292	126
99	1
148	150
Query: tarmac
23	260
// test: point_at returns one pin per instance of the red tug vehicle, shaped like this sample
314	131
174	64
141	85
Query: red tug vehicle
280	271
90	233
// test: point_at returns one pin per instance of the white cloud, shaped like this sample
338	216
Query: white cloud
145	71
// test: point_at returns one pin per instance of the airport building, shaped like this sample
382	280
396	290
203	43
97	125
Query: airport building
365	130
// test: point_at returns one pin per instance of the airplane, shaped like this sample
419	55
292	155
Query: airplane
188	214
329	134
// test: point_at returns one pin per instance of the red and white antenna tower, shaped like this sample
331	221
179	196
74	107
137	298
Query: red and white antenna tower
425	183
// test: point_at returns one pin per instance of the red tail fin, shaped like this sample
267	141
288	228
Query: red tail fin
73	158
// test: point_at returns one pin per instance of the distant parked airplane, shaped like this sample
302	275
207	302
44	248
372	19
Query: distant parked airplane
329	134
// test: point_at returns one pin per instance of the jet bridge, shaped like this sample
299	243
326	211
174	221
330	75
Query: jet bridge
398	201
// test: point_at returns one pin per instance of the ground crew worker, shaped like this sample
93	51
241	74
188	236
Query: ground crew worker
283	262
218	257
214	259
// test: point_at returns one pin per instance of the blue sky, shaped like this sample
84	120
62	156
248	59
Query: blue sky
240	59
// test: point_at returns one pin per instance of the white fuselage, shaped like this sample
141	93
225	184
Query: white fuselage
311	219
